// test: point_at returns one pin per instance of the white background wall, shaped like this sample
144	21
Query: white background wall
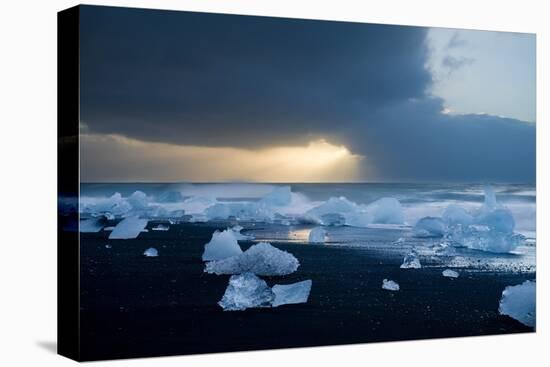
28	183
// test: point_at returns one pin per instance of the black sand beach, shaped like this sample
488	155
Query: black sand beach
133	306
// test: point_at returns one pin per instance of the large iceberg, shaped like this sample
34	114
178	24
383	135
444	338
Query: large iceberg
317	235
430	227
519	302
291	293
260	259
221	246
246	291
128	228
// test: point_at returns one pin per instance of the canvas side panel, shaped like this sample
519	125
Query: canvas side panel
68	292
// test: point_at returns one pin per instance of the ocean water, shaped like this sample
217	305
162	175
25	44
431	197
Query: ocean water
280	213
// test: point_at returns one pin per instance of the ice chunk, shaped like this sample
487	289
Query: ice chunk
492	229
151	252
221	246
197	205
339	211
114	204
138	200
519	302
291	293
450	273
333	219
161	227
317	235
170	197
430	227
484	238
280	196
246	291
500	220
260	259
128	228
390	285
108	246
109	228
91	225
386	211
490	202
411	261
240	210
455	215
332	211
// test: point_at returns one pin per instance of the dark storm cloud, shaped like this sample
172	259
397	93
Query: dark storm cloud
218	80
192	78
412	140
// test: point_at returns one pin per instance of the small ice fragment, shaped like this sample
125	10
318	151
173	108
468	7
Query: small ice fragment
161	227
411	261
291	293
246	291
108	246
128	228
317	235
390	285
108	229
221	246
151	252
260	259
519	302
450	273
91	225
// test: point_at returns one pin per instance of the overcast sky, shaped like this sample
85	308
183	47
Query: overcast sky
176	96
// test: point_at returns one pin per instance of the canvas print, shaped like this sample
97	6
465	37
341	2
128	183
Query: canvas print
234	183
